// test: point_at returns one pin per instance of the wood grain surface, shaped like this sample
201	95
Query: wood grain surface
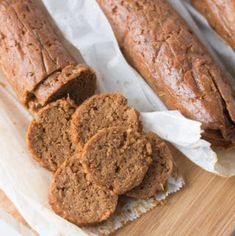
206	206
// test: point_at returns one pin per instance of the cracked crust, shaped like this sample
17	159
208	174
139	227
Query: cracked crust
78	200
48	135
31	53
221	17
117	158
102	111
158	43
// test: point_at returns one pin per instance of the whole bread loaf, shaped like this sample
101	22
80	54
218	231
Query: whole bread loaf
35	61
158	43
221	17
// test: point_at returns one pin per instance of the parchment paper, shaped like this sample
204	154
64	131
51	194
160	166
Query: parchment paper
11	227
26	183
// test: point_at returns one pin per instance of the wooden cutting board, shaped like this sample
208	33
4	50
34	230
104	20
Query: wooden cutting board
206	206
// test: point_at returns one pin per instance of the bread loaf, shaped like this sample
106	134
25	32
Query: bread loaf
35	61
221	17
159	44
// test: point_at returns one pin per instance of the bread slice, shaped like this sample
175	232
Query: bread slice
102	111
48	135
78	200
158	173
117	158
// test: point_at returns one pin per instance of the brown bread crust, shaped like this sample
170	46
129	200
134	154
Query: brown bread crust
159	44
31	54
221	17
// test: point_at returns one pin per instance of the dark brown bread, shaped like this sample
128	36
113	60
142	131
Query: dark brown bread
159	44
221	17
78	200
117	158
102	111
48	136
159	171
35	62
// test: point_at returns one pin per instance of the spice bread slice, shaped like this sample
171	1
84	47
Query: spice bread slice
102	111
159	171
48	135
78	200
117	158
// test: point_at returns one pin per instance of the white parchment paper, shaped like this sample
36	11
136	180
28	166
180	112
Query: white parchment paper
9	226
26	183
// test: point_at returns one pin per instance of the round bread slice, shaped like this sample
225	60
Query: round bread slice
78	200
159	171
117	158
102	111
48	135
